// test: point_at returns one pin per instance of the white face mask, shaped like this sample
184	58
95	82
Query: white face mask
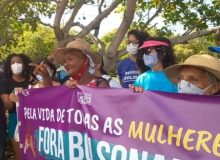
188	88
17	68
132	49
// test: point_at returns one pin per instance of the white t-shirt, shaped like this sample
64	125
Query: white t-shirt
113	83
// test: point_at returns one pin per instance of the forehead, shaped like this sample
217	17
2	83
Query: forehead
16	58
192	71
132	37
73	53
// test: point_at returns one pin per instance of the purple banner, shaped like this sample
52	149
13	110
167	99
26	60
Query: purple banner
117	124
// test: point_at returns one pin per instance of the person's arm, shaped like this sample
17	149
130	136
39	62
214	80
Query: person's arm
103	83
8	104
55	83
119	74
41	69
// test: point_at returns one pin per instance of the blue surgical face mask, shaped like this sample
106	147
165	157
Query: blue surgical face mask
91	71
150	60
40	78
188	88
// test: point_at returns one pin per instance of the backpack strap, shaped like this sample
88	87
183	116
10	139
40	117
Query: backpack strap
98	81
109	79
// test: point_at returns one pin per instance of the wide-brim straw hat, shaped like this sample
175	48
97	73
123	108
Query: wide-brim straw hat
206	62
77	44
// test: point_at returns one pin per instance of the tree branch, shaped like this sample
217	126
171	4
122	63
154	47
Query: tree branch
112	52
155	14
97	28
59	13
45	24
99	43
185	38
99	18
196	25
122	52
5	4
78	5
5	40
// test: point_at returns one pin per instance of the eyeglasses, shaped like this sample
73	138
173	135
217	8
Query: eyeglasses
134	42
148	50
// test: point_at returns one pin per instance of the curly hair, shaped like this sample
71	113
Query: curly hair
140	36
165	54
26	68
47	62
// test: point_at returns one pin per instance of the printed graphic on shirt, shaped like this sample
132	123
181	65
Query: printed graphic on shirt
130	76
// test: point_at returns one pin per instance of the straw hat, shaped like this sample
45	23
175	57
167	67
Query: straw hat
78	44
206	62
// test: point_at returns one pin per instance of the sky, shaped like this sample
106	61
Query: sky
113	21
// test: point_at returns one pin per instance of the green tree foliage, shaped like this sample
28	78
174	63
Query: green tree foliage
195	46
34	44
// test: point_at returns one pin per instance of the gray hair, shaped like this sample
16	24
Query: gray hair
213	79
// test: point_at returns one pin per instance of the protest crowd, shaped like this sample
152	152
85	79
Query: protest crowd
151	66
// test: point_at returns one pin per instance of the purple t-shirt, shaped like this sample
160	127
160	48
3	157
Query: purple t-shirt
127	72
2	112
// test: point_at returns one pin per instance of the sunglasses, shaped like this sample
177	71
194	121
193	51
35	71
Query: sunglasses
134	42
148	50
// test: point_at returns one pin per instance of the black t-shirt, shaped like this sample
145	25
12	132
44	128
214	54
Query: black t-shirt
2	112
7	86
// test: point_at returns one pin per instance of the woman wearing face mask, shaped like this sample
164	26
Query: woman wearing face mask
199	74
51	70
17	75
127	71
99	71
157	53
77	58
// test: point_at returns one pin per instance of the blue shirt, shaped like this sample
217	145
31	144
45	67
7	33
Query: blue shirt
155	81
62	76
127	72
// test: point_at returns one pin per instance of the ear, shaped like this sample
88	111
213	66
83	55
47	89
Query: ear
97	66
87	61
215	88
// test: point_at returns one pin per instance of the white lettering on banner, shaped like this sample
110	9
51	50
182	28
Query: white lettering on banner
69	111
40	138
60	115
133	154
48	139
95	120
30	113
90	121
47	142
60	145
46	114
103	148
102	144
77	145
116	149
88	148
80	147
108	126
144	155
53	142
